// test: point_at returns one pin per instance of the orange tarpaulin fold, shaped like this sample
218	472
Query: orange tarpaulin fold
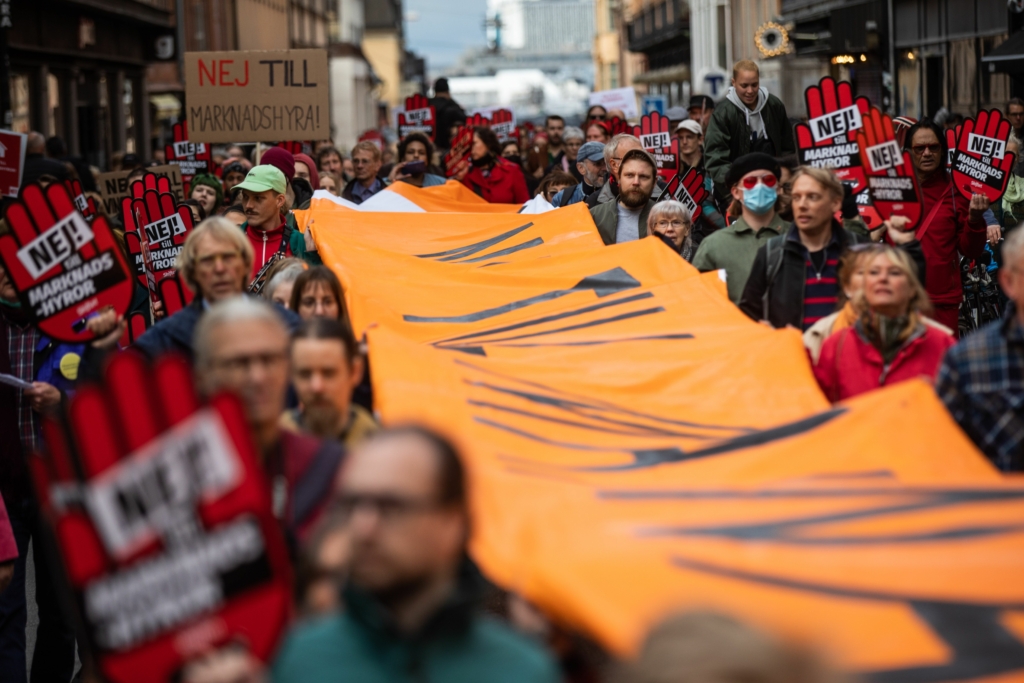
637	446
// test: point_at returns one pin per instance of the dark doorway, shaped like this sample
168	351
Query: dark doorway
934	85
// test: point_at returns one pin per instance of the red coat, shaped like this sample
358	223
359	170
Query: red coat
849	365
948	232
503	184
265	245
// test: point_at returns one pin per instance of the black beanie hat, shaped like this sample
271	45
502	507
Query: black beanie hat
756	161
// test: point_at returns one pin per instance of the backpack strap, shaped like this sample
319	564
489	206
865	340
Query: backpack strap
315	484
774	251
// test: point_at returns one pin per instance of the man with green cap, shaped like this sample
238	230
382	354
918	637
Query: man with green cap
263	199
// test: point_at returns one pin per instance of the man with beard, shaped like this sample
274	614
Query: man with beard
591	166
625	219
412	598
326	369
614	152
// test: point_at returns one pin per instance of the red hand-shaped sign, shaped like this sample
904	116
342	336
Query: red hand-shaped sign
951	136
828	139
63	268
890	176
193	157
85	205
457	157
982	165
419	116
503	123
162	520
297	146
688	189
155	229
617	126
478	119
656	138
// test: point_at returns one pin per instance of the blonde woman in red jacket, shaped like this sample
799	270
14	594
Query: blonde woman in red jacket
889	342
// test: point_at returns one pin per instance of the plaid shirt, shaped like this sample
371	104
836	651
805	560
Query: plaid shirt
981	381
21	346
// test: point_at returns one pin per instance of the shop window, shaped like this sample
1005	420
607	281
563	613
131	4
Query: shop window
54	113
20	103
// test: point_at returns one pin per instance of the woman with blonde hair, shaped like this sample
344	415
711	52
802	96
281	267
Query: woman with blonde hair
889	342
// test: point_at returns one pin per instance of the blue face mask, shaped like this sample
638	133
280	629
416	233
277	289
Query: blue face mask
761	199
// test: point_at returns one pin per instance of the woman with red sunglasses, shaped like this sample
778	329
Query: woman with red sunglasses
949	223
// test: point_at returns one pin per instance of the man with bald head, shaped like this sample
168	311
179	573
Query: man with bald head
412	595
36	163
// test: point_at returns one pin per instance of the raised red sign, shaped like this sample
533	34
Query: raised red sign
656	138
981	163
419	117
890	175
12	162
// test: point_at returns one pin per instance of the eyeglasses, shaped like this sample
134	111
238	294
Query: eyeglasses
921	149
240	364
597	117
229	258
751	182
387	507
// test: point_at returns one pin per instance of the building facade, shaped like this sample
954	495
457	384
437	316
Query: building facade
353	82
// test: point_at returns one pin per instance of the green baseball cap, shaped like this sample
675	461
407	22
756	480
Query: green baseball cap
263	178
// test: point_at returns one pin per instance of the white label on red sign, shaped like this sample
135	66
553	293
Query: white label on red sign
133	502
683	196
985	146
885	156
187	149
418	116
80	203
835	123
164	229
54	246
655	140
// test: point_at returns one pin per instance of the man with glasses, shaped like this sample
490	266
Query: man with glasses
412	599
753	180
241	346
981	381
1015	115
591	166
566	159
214	263
366	161
950	225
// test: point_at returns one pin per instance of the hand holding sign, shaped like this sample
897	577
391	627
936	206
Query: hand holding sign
655	137
981	164
890	174
689	190
63	268
193	157
162	520
419	116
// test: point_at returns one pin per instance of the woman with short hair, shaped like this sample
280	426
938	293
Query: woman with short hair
890	341
670	220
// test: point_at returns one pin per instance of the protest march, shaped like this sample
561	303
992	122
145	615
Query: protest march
721	392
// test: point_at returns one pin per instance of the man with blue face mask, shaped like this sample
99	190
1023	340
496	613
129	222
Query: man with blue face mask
753	180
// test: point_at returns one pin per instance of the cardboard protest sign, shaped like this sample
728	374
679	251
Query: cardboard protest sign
114	187
656	138
419	116
981	164
623	99
63	268
828	139
457	157
194	158
12	162
689	190
85	205
298	146
161	518
890	174
155	230
258	96
503	123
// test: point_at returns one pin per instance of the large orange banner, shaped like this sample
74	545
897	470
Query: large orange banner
637	446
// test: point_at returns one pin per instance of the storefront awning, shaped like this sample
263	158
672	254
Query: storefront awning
669	74
1008	56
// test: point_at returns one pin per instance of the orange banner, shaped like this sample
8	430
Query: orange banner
637	446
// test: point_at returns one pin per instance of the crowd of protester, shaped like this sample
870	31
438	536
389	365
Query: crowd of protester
378	518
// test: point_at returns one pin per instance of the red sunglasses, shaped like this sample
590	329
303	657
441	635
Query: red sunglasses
751	182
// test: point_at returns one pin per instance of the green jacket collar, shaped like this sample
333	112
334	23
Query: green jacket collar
777	225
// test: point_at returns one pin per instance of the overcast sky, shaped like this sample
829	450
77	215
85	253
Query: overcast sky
444	29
